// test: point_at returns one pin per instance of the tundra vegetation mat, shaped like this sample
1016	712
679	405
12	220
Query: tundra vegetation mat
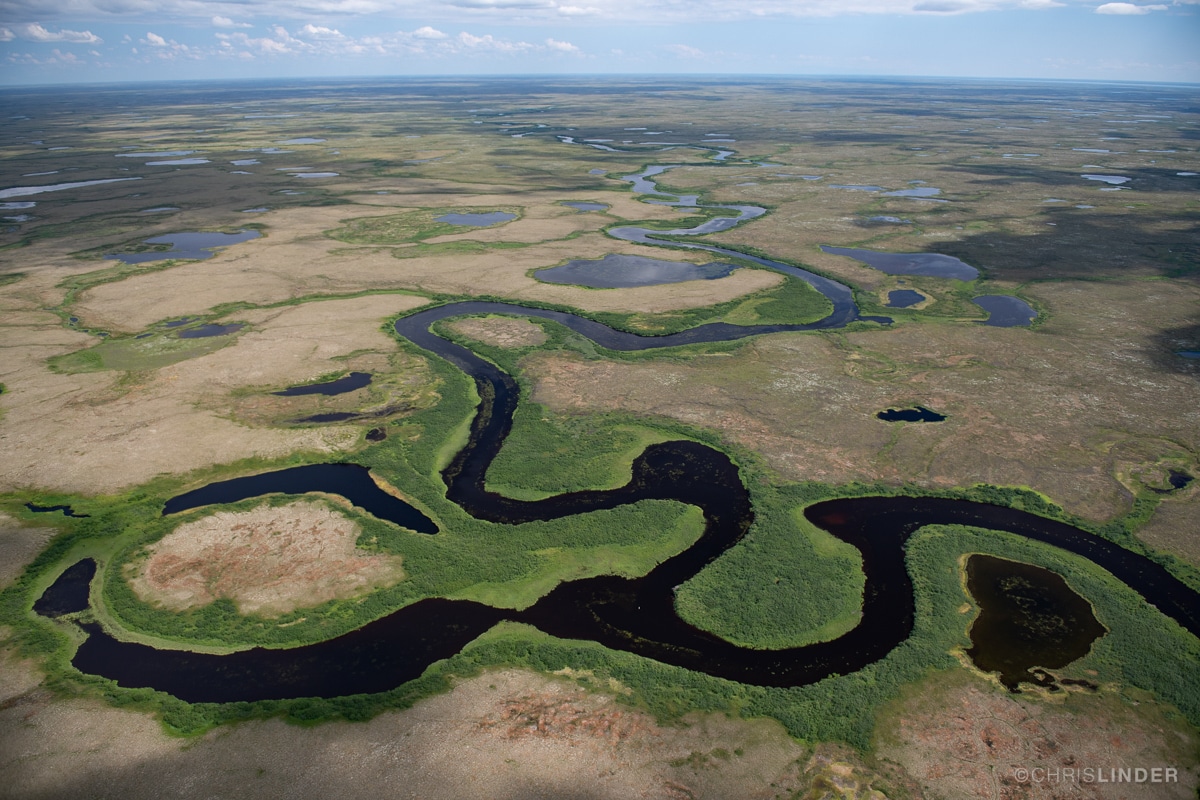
128	384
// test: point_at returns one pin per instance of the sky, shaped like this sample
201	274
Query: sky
89	41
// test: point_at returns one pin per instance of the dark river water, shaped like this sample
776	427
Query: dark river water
635	615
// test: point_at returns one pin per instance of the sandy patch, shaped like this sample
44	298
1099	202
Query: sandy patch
501	331
268	561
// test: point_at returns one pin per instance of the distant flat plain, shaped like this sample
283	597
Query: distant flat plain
103	405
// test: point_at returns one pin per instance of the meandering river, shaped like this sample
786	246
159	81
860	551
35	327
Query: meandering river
636	615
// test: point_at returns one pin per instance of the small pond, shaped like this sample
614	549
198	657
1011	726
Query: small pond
66	510
178	162
69	592
22	191
1028	617
355	380
618	271
1005	311
1112	180
855	187
904	298
581	206
185	245
935	265
477	220
208	331
920	191
158	154
916	414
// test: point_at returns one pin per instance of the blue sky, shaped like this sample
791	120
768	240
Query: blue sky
73	41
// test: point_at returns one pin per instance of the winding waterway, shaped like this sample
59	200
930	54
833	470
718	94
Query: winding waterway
635	615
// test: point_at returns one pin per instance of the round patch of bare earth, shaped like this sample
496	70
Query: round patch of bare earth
500	331
269	560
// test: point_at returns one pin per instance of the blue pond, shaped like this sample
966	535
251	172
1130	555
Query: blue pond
903	298
186	245
1006	311
587	206
476	220
355	380
206	331
616	271
934	265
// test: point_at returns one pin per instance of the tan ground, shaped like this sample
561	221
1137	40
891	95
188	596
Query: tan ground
268	561
971	740
19	544
99	432
296	259
1053	412
504	735
501	331
1175	526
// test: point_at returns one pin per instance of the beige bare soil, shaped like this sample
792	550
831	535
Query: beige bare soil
102	431
268	561
501	331
967	739
509	734
19	544
1071	416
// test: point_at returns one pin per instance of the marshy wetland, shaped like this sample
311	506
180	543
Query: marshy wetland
664	475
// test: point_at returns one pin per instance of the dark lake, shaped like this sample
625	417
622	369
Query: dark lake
476	220
69	592
1028	618
903	298
588	206
934	265
917	414
1005	311
185	245
616	271
355	380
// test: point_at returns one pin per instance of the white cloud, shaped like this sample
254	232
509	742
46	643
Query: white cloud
562	47
221	13
33	32
320	32
6	35
428	33
1127	9
684	50
154	40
